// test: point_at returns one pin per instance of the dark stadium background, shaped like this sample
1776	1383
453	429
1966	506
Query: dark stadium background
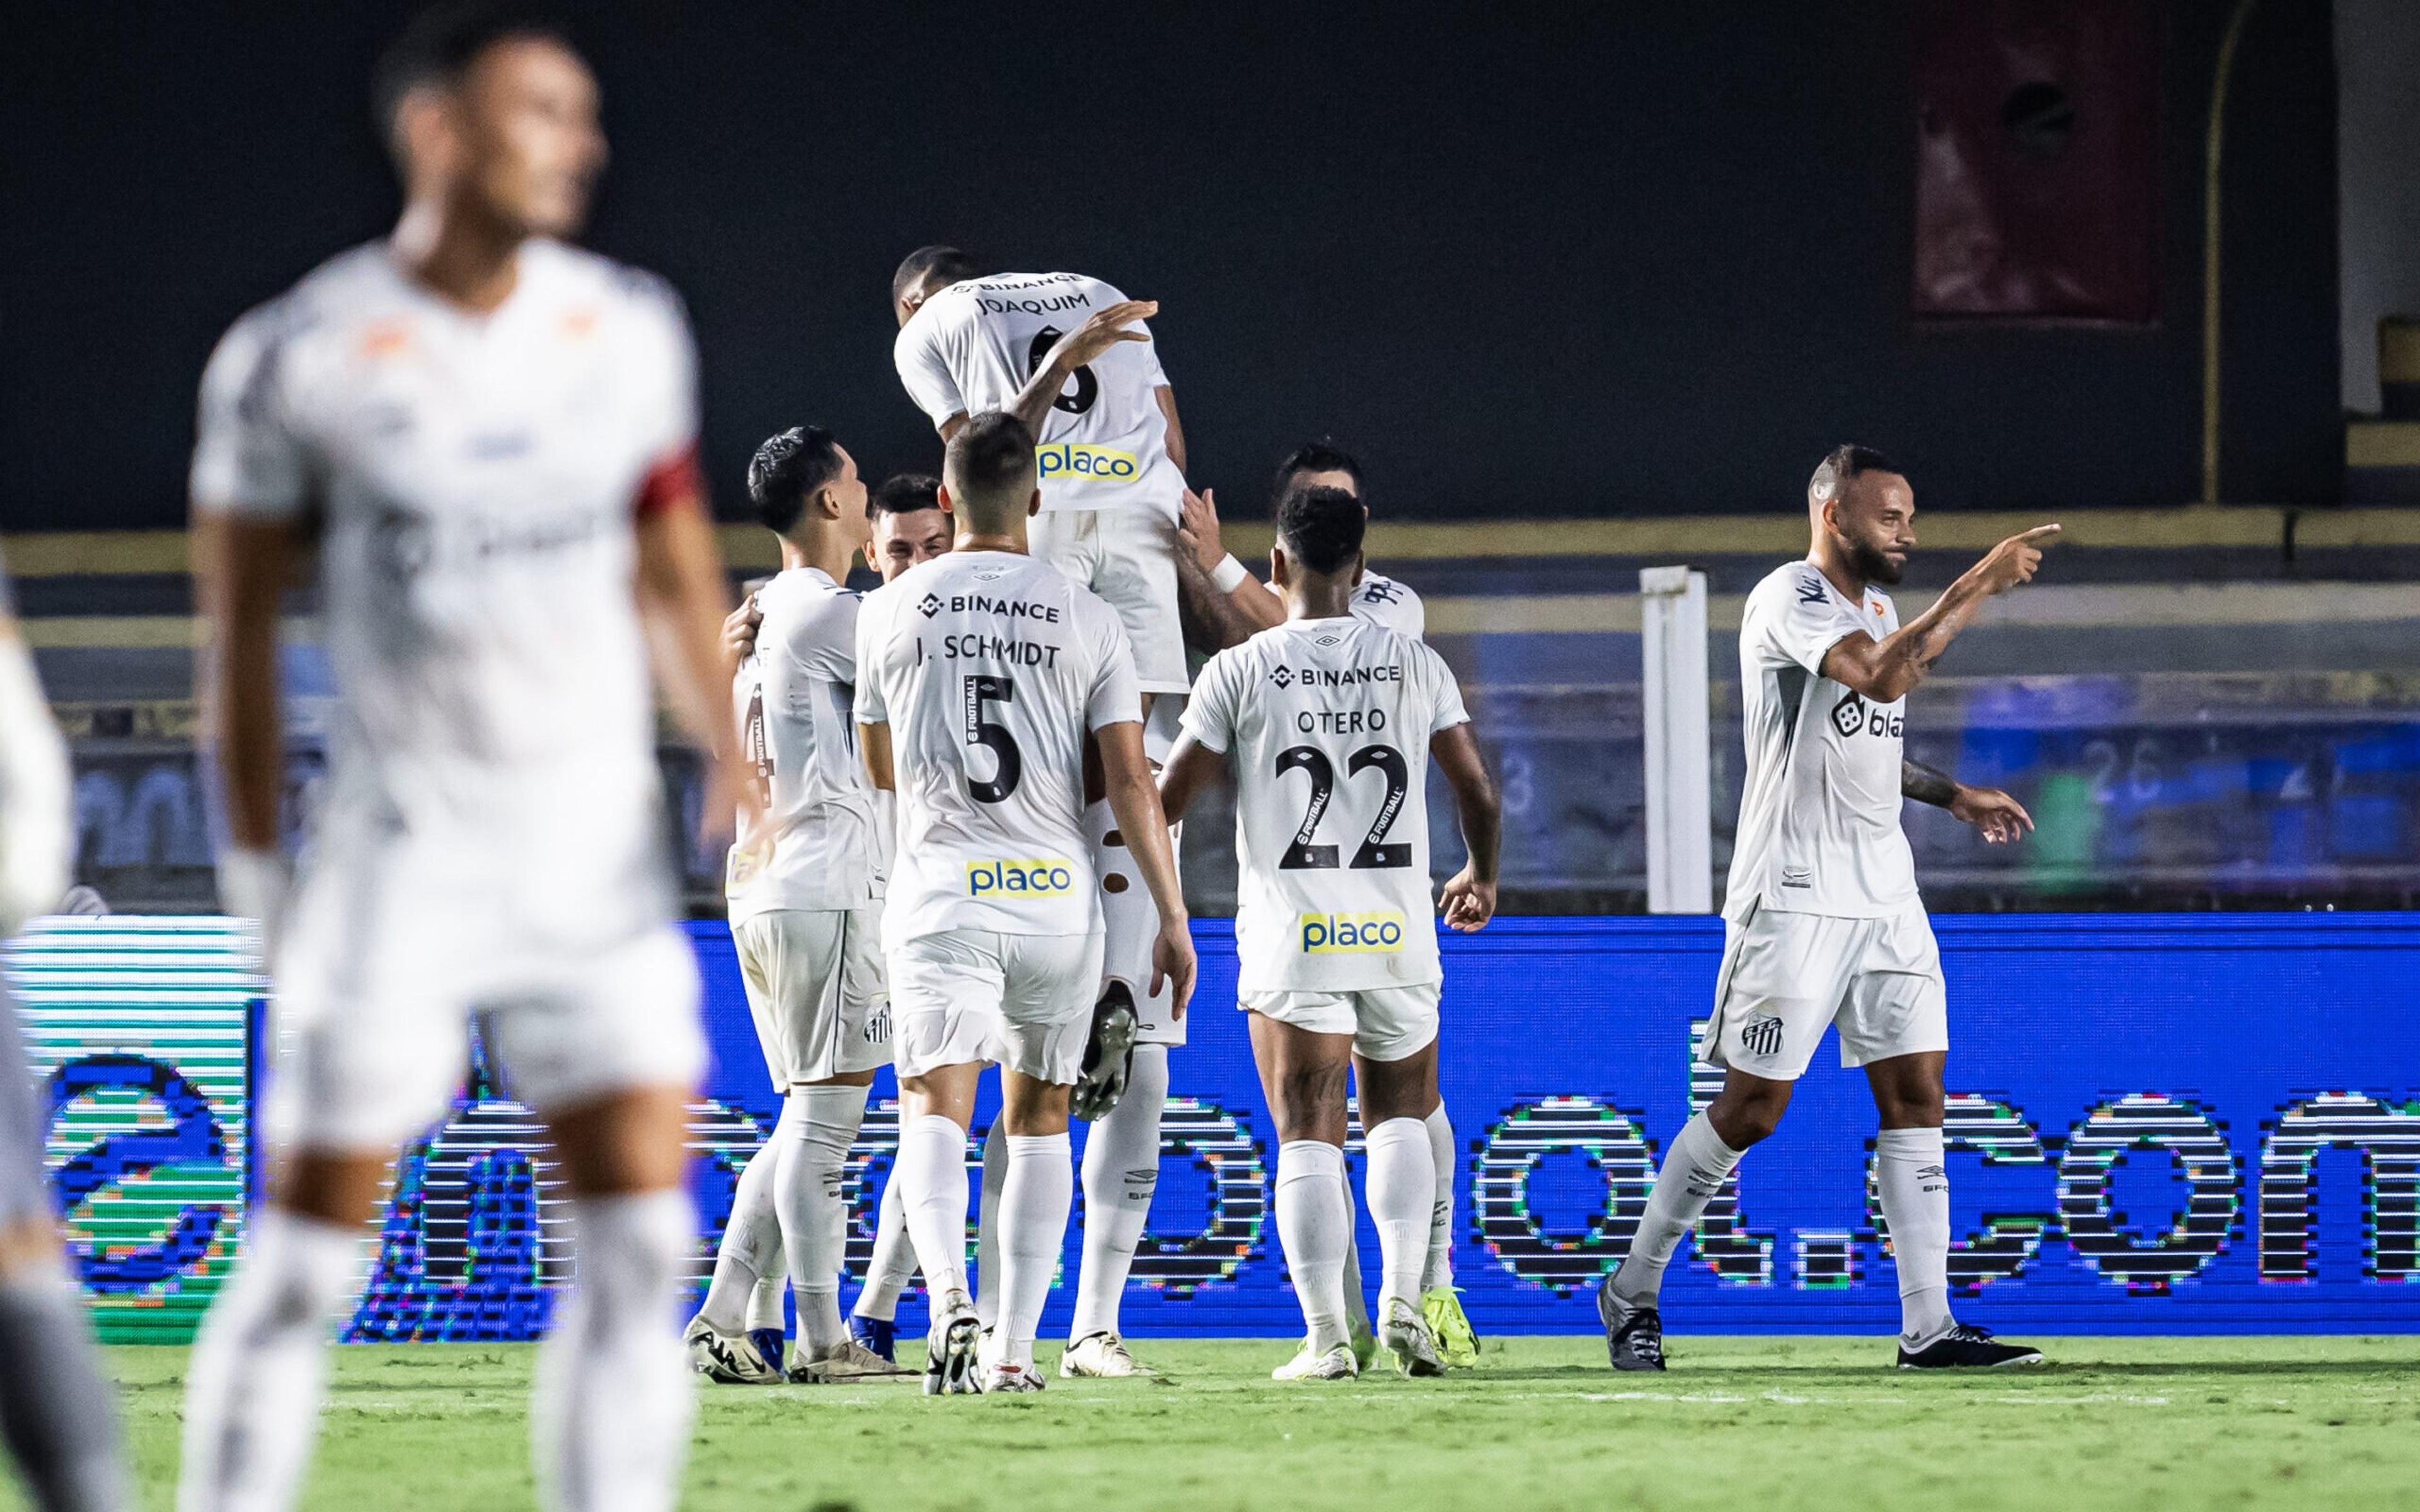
1536	259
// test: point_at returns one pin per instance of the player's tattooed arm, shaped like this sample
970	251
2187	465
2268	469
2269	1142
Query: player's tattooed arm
1926	784
1073	350
1469	899
1886	671
2001	818
1249	604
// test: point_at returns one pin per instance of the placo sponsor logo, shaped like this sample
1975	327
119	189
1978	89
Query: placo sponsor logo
1351	933
1082	459
1050	876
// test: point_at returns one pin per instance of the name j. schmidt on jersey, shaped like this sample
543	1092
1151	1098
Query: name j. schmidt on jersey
977	646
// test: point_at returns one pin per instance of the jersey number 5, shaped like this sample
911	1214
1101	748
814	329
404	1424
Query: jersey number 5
1373	854
1010	767
1088	388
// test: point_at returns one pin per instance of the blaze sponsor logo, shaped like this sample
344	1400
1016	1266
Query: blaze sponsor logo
1051	876
1853	714
1082	459
1351	933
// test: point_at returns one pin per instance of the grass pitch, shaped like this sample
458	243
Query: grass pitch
1737	1424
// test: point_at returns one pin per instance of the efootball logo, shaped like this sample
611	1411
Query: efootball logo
931	606
1281	676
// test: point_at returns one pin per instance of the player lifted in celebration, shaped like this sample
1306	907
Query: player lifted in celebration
980	675
1248	605
1823	925
1111	456
1329	722
804	883
492	436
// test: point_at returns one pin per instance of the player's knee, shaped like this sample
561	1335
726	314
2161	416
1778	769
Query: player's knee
1747	1116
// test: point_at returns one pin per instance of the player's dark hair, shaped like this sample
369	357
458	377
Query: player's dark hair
903	493
438	43
989	468
1321	528
1321	456
785	473
936	265
1843	462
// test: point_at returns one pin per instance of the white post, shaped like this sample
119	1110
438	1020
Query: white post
1680	809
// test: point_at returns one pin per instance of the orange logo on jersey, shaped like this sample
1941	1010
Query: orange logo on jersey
576	324
386	338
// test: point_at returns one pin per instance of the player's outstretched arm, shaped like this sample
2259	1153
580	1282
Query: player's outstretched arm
1241	609
1886	671
683	602
1072	351
2001	818
240	569
1135	800
1470	897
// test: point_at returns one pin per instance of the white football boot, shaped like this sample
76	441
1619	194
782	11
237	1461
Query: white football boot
731	1359
1101	1355
1336	1364
845	1361
1406	1337
951	1348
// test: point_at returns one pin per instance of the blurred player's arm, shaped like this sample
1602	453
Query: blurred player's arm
1238	605
37	808
683	602
1167	398
1470	897
2001	818
1096	335
1886	670
1134	798
242	567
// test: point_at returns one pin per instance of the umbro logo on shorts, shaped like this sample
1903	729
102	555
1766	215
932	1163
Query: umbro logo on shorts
1761	1038
931	606
1282	676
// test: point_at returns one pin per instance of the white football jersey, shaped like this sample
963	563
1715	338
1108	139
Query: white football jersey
815	845
1327	724
990	668
475	479
1819	830
1382	601
1104	446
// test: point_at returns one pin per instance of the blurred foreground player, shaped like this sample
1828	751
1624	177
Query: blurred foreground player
1111	457
804	883
493	436
57	1415
1329	722
1822	924
983	678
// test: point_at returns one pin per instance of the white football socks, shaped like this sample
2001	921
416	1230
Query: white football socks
1034	1199
765	1305
1695	1168
751	1251
610	1417
1438	1272
1403	1191
893	1264
259	1366
1914	1174
1312	1229
1356	1290
807	1197
988	1260
932	1173
1121	1173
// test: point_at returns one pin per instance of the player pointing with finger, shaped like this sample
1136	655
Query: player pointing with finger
1823	923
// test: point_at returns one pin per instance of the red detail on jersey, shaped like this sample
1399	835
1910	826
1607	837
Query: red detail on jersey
676	481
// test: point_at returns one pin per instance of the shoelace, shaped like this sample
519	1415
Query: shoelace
1970	1334
1649	1346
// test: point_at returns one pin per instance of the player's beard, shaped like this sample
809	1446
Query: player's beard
1873	564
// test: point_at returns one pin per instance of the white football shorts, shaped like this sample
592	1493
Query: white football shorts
1785	977
968	996
815	988
582	991
1128	557
1387	1023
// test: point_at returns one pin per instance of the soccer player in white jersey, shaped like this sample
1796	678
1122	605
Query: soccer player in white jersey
1823	925
1329	721
492	436
804	887
980	676
1382	601
1112	464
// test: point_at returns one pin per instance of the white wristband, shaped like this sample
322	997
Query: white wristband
1229	575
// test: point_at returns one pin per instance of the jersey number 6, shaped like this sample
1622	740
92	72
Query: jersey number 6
1088	388
981	732
1373	854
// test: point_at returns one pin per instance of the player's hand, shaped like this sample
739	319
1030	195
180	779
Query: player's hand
1101	332
1468	902
739	628
2002	819
2013	560
1172	963
1197	528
